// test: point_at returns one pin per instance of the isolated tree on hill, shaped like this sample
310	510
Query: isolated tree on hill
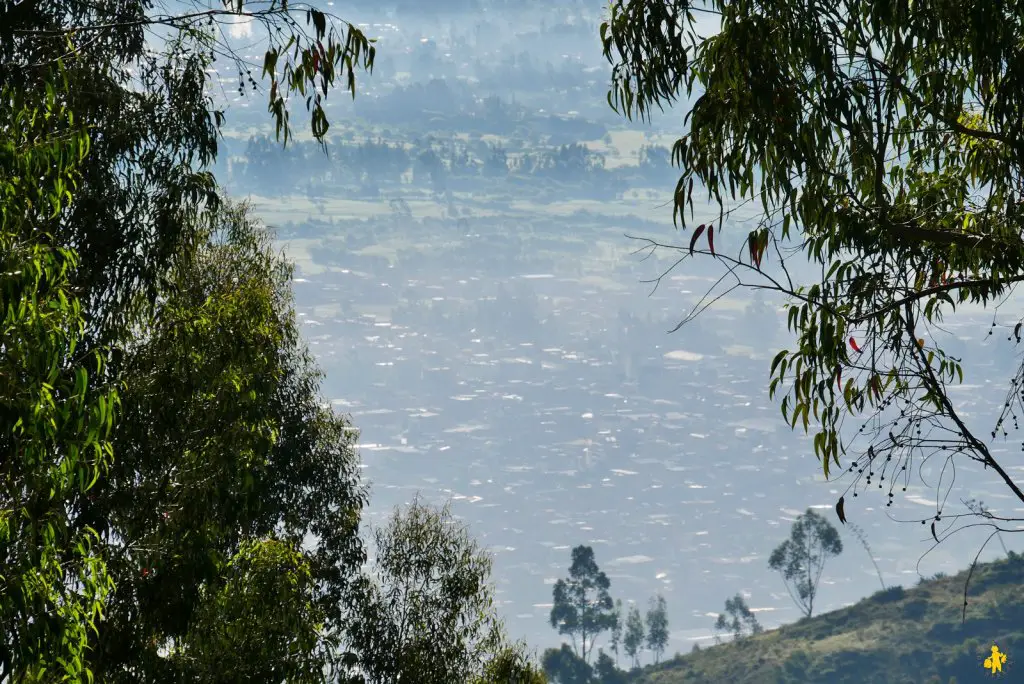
801	558
633	639
583	607
737	619
657	626
883	143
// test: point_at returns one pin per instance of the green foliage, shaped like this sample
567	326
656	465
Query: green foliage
1013	567
582	605
426	611
563	666
224	443
368	166
882	142
890	594
657	626
222	542
797	666
269	579
737	619
801	558
606	672
55	420
914	610
225	456
150	103
510	665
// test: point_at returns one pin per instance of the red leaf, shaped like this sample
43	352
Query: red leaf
755	253
853	343
839	378
696	234
711	239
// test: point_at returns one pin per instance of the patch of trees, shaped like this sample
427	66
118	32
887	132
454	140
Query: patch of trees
437	164
177	501
452	105
800	560
583	610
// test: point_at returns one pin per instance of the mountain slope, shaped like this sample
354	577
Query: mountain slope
896	636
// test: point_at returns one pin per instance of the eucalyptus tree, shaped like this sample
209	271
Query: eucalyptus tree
142	76
55	438
737	619
615	639
633	638
884	144
165	447
582	607
657	626
228	471
801	559
424	611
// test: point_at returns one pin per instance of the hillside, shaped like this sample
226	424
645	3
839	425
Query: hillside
896	636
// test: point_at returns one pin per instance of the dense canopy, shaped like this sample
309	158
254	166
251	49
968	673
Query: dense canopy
178	503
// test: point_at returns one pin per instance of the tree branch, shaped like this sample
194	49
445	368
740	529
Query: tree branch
930	291
938	390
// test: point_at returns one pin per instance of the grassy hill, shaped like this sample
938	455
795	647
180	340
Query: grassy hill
896	636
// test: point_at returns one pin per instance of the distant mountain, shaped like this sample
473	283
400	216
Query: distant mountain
896	636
